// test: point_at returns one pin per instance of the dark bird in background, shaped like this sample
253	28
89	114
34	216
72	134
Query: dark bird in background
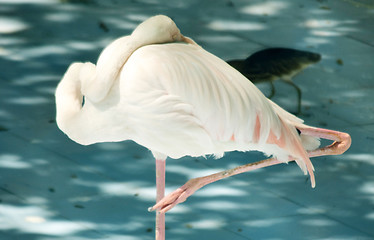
276	63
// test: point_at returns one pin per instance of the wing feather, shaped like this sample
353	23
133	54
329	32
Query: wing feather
223	104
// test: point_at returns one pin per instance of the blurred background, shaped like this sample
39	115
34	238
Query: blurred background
53	188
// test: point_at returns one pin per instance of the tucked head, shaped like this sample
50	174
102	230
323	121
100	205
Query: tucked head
157	29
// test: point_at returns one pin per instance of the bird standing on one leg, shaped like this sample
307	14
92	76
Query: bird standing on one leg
271	64
165	92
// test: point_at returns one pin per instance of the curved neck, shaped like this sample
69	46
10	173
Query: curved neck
114	56
68	97
109	65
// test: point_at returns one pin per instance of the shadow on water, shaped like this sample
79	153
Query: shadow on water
51	187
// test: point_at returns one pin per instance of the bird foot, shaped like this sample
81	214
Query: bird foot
178	196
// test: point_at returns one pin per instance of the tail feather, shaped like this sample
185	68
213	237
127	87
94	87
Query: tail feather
296	144
297	151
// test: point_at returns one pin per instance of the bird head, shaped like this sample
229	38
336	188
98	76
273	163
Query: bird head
157	29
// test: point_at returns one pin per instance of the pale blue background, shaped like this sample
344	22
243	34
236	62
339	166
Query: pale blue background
53	188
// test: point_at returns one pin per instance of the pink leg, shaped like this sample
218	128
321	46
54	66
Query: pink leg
341	144
181	194
160	185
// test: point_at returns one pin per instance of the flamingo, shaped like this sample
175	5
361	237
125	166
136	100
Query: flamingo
270	64
165	92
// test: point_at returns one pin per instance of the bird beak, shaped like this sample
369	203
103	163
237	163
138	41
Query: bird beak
188	40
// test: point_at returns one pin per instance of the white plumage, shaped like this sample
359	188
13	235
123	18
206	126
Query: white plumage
177	99
165	92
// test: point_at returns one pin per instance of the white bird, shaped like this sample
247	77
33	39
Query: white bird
163	91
